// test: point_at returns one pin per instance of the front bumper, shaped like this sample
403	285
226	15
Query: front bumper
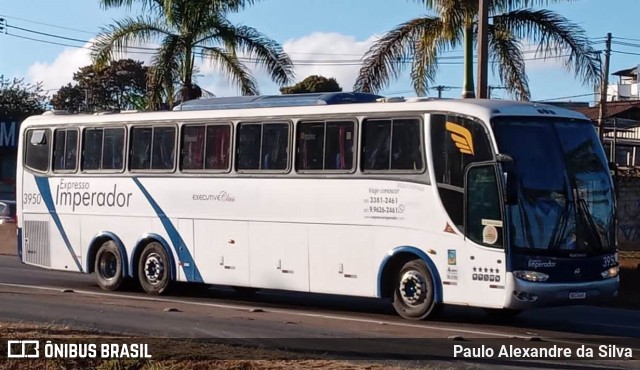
527	294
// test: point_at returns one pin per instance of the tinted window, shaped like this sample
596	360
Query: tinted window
92	149
103	149
162	155
37	149
65	150
113	150
210	152
325	145
152	148
392	145
263	146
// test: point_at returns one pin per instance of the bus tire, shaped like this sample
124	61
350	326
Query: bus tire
108	266
154	269
414	293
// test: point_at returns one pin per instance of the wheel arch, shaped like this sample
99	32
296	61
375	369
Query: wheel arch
142	242
97	241
393	262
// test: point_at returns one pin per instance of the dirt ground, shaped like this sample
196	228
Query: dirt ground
8	239
231	357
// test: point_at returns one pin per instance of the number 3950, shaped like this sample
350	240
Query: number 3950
31	198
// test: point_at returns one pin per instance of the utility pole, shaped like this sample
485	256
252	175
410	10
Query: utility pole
441	88
604	83
483	52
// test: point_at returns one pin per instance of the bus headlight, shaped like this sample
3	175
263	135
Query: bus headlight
531	275
610	273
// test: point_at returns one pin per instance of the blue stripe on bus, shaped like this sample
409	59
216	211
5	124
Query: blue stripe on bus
45	191
188	264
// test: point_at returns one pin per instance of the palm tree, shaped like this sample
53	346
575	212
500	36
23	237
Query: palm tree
421	41
187	29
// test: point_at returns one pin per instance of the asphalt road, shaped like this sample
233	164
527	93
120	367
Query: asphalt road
38	295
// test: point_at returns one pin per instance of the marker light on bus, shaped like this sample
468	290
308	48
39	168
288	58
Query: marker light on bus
531	275
610	273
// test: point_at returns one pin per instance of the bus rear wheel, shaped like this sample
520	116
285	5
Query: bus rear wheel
108	266
154	271
413	295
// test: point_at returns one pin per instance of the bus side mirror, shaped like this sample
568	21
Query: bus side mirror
510	179
613	168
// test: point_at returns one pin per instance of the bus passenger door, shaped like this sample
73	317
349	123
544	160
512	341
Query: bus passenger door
483	223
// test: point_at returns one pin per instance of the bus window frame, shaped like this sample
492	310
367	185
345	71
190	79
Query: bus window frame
423	154
290	140
78	149
27	143
204	170
354	164
125	160
153	125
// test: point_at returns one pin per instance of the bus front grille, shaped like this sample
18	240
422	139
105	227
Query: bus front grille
36	243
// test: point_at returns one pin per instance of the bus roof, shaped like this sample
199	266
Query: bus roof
314	104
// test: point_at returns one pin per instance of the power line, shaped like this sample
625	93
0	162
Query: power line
567	97
46	24
624	52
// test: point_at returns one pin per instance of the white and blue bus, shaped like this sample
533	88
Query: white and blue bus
494	204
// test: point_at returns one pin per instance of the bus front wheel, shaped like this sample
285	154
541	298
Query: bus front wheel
413	296
108	266
154	271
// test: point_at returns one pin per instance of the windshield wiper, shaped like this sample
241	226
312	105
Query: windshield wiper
559	231
583	210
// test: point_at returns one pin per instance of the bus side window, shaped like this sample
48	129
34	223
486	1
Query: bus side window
164	145
92	149
37	149
140	155
339	145
456	142
218	145
112	154
392	144
65	149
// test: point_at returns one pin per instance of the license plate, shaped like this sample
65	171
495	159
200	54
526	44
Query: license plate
577	295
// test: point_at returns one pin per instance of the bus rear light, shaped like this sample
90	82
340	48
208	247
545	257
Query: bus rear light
531	275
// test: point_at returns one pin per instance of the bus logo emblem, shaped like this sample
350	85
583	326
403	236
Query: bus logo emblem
461	136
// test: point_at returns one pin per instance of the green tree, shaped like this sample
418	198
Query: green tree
313	84
19	99
187	29
122	84
420	42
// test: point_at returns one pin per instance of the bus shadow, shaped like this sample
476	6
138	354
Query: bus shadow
583	320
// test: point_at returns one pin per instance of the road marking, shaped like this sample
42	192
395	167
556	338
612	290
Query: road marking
274	310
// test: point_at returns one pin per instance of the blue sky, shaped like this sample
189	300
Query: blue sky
314	31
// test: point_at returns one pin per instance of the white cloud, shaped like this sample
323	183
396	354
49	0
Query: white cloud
60	71
326	54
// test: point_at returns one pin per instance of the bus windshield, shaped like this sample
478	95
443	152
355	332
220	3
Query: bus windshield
565	203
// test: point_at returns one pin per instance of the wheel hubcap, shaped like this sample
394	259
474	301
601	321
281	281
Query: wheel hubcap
154	268
108	265
413	288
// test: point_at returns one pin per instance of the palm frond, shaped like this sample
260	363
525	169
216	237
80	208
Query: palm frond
555	36
116	38
500	6
247	40
389	56
166	70
233	68
506	54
